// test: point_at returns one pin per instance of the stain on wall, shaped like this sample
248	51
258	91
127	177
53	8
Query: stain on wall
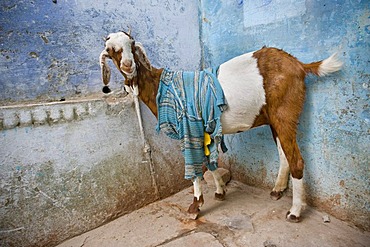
334	130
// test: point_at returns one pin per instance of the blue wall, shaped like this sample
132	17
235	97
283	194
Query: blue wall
51	50
334	130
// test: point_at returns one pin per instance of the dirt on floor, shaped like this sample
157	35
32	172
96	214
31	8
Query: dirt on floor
248	217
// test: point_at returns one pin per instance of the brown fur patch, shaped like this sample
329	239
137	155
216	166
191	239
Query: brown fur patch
283	80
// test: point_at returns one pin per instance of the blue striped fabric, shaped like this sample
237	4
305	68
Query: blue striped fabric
189	104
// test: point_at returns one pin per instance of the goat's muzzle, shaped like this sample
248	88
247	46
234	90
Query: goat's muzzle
129	72
128	67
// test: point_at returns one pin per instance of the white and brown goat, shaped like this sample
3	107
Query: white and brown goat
264	87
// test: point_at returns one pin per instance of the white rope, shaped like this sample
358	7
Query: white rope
135	91
147	151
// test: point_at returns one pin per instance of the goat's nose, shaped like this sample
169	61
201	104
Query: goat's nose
127	63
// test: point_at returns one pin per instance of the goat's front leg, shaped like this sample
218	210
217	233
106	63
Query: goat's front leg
220	186
198	200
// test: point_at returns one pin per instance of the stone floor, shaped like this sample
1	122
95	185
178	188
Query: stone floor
248	217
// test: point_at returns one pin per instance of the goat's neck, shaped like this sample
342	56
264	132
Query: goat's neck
148	83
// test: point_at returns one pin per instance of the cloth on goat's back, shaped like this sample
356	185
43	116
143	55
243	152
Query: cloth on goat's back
189	104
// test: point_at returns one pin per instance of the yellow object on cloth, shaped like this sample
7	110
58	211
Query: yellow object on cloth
207	141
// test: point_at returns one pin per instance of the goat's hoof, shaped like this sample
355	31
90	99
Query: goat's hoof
193	212
276	195
220	197
292	218
193	216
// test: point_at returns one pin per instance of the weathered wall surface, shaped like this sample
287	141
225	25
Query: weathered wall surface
334	131
67	167
50	50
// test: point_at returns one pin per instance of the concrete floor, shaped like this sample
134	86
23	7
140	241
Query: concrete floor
248	217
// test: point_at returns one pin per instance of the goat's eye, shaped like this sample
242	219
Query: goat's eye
107	49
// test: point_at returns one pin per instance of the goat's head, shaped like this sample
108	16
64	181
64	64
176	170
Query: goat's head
125	53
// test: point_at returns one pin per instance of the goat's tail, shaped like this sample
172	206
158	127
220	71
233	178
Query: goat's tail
324	67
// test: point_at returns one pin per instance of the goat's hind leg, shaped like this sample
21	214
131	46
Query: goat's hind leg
296	165
299	203
220	186
198	200
282	179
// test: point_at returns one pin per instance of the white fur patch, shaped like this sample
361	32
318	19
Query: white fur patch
218	181
330	65
282	179
197	188
298	197
243	88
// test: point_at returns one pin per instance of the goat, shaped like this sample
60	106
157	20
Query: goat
264	87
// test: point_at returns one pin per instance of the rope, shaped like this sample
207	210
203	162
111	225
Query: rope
147	149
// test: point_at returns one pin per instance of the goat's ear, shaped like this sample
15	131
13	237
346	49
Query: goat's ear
141	54
105	70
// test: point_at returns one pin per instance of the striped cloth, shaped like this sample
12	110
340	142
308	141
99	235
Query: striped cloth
189	104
